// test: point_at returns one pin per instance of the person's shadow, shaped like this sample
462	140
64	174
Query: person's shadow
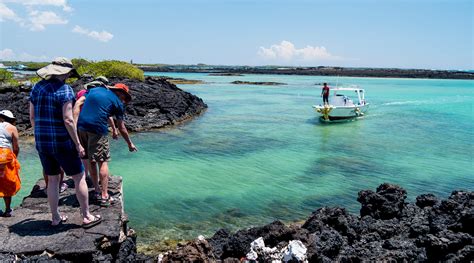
32	227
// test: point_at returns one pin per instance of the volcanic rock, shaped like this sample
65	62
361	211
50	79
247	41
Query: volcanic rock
156	103
388	229
29	237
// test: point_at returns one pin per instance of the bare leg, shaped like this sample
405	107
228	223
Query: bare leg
62	176
45	177
82	196
8	201
104	178
85	162
53	197
94	176
61	182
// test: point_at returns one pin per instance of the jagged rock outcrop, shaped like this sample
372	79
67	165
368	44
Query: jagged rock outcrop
27	236
264	83
388	229
156	103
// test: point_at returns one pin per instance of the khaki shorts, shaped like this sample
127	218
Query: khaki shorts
95	145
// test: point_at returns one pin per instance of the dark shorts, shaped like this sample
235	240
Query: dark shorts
95	145
326	98
68	160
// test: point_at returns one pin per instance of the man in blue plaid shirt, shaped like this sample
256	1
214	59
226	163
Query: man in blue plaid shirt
51	103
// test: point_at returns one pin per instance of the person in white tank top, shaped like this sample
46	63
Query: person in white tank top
9	167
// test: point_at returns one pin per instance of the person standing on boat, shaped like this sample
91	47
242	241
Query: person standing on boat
325	93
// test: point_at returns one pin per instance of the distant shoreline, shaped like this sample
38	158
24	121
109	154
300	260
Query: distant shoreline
314	71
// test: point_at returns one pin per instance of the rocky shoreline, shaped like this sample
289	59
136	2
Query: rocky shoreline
28	237
388	229
156	103
316	71
263	83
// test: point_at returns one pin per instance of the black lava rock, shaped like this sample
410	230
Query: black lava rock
156	103
387	230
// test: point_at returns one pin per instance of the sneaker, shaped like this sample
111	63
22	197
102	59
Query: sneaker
63	187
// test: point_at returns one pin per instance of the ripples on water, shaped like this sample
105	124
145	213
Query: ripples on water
260	154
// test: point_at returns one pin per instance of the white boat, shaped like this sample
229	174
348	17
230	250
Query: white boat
341	105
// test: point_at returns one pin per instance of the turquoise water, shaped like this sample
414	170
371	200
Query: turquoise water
259	153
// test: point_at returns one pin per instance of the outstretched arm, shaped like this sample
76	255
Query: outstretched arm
123	131
114	128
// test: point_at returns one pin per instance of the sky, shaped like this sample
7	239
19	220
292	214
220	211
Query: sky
426	34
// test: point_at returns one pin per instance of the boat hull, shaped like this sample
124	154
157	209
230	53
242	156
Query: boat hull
341	113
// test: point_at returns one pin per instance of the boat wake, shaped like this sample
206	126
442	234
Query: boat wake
409	102
457	99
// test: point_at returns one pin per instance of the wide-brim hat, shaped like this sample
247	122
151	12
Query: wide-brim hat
103	79
60	66
124	89
7	114
94	84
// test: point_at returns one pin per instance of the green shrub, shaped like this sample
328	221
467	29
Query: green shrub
35	65
5	75
34	79
110	68
80	62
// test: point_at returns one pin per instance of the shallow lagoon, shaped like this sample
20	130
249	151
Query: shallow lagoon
260	154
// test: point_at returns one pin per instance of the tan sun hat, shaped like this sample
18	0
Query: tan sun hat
102	79
94	84
59	66
97	82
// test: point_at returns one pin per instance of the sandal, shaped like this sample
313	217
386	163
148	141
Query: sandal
7	213
106	202
96	197
97	219
63	219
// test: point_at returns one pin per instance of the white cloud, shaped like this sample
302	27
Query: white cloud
287	51
103	36
39	19
7	14
36	20
80	30
9	54
56	3
314	53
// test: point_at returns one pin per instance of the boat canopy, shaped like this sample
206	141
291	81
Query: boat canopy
351	88
354	88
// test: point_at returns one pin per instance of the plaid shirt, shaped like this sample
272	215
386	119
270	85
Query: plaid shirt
48	98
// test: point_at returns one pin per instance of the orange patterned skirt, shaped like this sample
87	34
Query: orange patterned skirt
10	182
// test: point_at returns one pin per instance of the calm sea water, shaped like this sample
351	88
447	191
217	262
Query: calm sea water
259	153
